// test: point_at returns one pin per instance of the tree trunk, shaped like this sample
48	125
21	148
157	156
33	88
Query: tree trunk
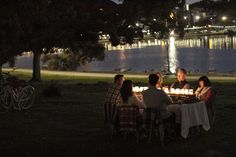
36	67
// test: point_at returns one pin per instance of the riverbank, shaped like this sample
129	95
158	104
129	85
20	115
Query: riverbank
92	77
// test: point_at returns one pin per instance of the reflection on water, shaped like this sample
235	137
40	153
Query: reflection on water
196	55
212	42
172	57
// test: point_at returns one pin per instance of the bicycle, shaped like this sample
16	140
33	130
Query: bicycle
14	94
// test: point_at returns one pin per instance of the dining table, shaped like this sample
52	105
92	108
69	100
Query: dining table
189	110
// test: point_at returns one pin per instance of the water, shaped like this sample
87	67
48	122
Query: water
216	54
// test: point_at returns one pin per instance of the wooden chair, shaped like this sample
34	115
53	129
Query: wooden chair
110	115
128	117
154	122
211	109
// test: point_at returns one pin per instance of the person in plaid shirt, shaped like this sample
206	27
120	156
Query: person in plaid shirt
113	98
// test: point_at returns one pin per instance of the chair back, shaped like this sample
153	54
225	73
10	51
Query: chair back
152	117
128	118
210	108
212	98
110	111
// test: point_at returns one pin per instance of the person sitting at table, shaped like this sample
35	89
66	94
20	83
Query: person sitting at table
206	93
113	98
128	97
181	83
156	98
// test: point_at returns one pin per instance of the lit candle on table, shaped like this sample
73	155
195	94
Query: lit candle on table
177	91
190	91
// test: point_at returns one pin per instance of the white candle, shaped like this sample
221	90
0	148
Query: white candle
182	91
141	89
172	91
191	91
177	91
186	91
166	90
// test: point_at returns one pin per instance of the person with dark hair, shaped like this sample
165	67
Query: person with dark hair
118	79
127	95
181	83
156	98
204	92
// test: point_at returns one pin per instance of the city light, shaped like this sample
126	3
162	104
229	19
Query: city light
185	17
197	17
172	15
224	18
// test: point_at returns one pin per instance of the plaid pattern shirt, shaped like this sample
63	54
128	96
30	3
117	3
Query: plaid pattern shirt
113	95
112	101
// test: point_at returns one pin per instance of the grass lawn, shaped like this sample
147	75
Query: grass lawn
72	124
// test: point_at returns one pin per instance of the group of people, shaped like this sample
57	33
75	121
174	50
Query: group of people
121	93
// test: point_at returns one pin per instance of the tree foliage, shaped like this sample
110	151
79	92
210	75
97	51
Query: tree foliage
67	59
37	25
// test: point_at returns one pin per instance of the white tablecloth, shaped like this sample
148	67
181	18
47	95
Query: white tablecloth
193	114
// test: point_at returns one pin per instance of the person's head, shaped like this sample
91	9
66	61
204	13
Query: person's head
118	79
181	74
126	90
204	81
153	79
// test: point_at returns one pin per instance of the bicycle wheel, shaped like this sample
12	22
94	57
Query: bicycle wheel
6	98
26	97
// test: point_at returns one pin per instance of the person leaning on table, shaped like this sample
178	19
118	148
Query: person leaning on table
181	83
156	98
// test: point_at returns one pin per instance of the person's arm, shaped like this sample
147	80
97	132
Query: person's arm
198	91
209	97
138	102
172	85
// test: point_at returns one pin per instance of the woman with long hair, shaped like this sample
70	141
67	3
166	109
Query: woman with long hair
204	91
127	95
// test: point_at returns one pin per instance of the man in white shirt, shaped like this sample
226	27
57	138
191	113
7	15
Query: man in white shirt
156	98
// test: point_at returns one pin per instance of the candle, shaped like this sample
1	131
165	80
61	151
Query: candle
190	91
166	90
141	89
136	89
177	91
186	91
182	91
172	91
